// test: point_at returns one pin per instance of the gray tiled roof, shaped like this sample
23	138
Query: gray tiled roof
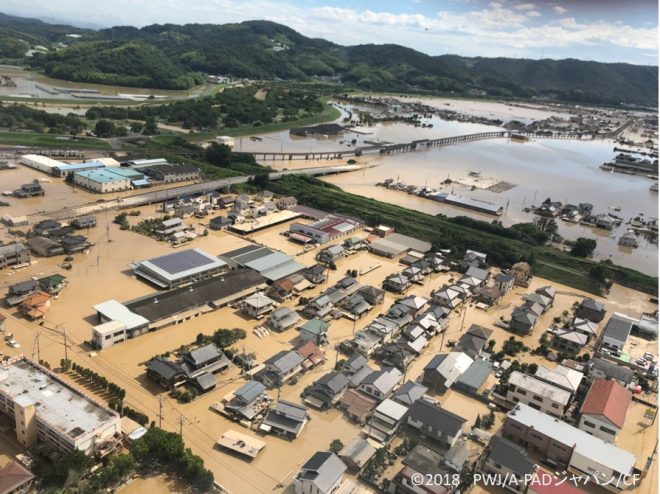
165	368
285	360
355	363
250	391
323	469
204	353
334	381
433	416
409	393
510	455
383	380
612	370
591	304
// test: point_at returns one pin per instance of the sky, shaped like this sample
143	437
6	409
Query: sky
600	30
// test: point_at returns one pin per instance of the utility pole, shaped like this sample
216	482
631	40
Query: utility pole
464	313
160	412
35	348
66	353
181	426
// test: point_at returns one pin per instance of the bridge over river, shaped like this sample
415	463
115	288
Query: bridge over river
430	143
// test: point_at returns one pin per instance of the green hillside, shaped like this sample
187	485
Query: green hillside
131	63
172	56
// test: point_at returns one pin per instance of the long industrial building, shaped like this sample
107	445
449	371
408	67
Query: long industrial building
114	179
118	321
41	163
324	230
172	270
271	264
46	410
468	203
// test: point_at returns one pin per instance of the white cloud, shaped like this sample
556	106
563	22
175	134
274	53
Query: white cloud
558	9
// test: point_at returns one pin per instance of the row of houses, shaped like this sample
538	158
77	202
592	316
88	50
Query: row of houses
51	238
333	253
577	450
196	367
419	267
346	297
18	292
408	325
525	316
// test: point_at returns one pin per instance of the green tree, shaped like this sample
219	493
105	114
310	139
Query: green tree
150	126
105	128
600	273
336	445
583	247
218	154
75	129
261	180
65	471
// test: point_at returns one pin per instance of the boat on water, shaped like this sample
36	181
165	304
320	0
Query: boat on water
654	187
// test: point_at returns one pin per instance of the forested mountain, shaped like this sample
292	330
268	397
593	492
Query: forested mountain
171	56
129	63
18	34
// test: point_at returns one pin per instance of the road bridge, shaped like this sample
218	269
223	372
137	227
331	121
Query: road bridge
422	144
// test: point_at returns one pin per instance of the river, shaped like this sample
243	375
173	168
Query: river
563	170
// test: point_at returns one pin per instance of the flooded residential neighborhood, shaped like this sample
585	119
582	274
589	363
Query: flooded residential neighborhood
402	248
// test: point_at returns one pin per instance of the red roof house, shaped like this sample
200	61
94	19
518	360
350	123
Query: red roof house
604	410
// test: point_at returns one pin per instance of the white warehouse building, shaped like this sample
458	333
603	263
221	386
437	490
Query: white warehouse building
41	163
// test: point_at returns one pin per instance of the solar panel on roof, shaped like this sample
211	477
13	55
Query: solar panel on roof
181	261
242	250
253	255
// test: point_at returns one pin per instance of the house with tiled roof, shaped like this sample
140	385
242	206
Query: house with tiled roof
591	310
510	463
603	413
15	479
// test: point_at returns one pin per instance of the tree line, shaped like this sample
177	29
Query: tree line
502	249
157	450
21	117
230	108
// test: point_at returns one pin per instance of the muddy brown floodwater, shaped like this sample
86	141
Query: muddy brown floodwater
102	274
563	170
